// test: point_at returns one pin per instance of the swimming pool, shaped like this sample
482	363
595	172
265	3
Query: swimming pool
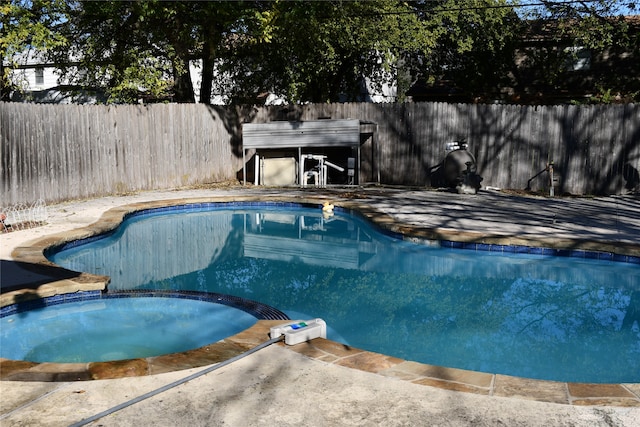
518	313
93	326
109	329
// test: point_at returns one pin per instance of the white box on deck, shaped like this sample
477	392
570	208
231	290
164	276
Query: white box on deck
300	331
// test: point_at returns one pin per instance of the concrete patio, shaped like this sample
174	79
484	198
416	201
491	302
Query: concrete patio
320	384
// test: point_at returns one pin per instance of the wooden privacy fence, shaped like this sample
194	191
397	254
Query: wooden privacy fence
61	152
594	149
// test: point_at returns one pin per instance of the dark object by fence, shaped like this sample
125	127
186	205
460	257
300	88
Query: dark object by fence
551	180
460	169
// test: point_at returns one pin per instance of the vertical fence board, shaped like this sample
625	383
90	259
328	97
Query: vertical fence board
59	152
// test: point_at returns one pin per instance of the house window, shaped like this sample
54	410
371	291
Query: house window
39	76
578	58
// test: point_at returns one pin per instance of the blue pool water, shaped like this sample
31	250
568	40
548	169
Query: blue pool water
565	318
116	329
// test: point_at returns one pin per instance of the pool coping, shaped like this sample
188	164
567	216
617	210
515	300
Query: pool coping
31	256
255	308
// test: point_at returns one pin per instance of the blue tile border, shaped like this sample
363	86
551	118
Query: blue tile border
205	206
532	250
258	310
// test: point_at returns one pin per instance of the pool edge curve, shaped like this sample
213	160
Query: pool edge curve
32	256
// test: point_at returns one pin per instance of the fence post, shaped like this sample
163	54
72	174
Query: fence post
550	169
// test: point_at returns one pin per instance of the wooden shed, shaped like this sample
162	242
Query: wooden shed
303	152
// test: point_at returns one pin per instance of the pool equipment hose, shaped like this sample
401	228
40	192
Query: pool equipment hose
177	383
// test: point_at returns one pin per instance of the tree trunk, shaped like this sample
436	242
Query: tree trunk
206	85
5	85
182	86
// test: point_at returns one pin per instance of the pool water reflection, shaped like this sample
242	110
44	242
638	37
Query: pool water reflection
546	317
108	329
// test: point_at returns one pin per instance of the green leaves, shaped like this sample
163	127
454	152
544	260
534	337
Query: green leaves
28	27
306	51
30	24
321	51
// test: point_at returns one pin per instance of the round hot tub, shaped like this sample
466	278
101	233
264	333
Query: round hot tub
96	327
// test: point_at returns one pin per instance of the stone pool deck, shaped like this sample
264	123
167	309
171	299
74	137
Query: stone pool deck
321	382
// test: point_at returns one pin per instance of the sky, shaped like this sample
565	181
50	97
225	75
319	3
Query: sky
622	7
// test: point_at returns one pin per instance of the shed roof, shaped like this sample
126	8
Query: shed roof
315	133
